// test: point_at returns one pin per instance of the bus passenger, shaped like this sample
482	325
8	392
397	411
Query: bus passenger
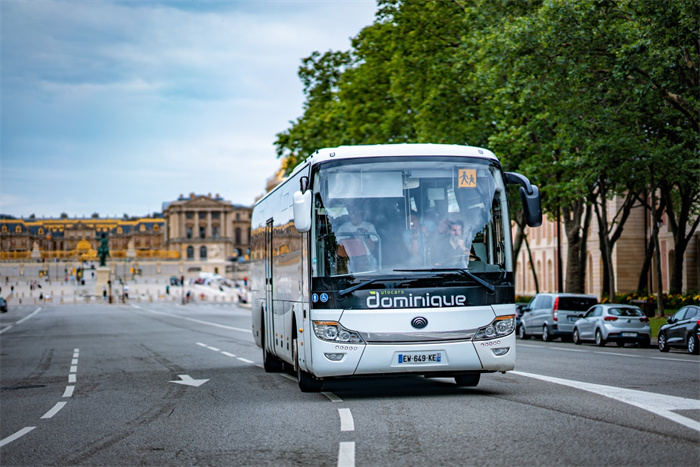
357	241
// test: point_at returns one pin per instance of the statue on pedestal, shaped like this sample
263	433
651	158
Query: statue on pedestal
103	250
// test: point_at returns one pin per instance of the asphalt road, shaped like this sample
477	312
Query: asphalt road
157	384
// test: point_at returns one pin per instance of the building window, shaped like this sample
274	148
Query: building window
189	232
215	215
202	215
41	231
189	215
238	236
190	252
202	232
156	227
142	228
238	216
18	229
215	231
120	230
202	252
4	229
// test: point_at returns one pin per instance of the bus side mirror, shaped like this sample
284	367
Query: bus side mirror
530	197
302	211
531	206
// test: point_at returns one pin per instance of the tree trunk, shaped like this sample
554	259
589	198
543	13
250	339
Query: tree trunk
655	236
575	271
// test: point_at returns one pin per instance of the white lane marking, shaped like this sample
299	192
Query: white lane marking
332	397
228	354
74	369
214	349
247	331
69	391
74	361
202	345
56	408
76	351
607	353
346	421
27	317
659	404
71	378
20	321
346	454
244	360
187	380
17	435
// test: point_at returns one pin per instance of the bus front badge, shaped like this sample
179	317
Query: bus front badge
419	322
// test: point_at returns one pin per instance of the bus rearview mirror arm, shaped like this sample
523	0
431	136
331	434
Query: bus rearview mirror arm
530	197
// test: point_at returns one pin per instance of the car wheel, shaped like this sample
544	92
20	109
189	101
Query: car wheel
545	334
693	345
468	380
521	332
577	338
663	346
599	341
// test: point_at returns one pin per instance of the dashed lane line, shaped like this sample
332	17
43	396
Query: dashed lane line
16	436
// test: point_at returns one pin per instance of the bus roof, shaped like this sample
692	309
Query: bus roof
408	150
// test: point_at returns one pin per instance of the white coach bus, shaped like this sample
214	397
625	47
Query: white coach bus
387	260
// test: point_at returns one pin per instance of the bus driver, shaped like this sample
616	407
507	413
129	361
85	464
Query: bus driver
357	240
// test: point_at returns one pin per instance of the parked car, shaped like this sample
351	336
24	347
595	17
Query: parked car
681	330
553	315
3	305
612	322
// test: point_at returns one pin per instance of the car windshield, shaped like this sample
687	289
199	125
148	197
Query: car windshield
392	216
625	312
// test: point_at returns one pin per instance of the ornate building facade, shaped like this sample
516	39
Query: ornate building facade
197	228
206	228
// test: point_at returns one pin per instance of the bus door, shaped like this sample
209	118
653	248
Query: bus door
269	298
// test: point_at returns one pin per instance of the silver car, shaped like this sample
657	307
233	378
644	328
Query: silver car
611	322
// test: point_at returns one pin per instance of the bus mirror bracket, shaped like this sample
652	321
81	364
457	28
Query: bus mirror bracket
304	183
302	210
530	197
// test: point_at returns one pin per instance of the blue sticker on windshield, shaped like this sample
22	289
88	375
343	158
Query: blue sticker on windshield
314	297
324	297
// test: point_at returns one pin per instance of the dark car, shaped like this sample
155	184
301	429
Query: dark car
681	330
3	305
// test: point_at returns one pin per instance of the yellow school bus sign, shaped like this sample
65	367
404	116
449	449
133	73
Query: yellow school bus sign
467	178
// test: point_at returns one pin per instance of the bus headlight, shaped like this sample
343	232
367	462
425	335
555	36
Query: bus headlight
332	331
501	326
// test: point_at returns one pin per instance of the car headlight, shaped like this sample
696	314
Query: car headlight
332	331
499	327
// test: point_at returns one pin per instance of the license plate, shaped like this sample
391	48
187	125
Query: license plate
629	334
420	357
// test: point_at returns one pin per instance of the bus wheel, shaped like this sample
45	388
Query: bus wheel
307	382
468	380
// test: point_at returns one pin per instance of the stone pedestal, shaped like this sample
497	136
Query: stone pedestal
103	276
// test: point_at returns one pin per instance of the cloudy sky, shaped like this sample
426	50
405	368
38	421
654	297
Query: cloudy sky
118	106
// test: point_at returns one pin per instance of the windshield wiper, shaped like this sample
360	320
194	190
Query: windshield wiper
470	275
355	287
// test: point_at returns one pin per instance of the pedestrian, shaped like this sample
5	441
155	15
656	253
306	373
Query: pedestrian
104	293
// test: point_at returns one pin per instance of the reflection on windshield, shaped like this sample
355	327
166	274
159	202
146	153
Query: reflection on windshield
374	217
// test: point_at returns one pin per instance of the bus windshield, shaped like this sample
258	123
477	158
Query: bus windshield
389	216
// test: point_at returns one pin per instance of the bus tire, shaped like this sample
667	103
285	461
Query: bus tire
470	380
307	382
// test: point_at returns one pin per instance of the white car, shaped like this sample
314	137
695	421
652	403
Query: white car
612	322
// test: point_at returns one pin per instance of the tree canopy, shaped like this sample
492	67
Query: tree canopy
590	98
